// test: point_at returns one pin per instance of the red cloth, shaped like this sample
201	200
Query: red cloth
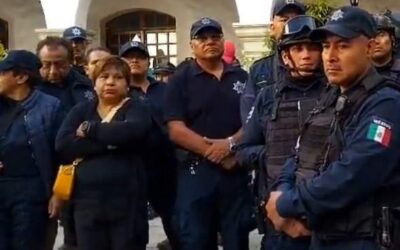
229	52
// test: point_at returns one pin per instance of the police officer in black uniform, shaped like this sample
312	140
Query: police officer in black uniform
203	115
343	183
78	38
384	60
280	110
160	159
164	71
65	83
266	71
395	18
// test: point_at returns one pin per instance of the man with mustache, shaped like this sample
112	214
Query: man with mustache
280	110
343	182
384	60
202	109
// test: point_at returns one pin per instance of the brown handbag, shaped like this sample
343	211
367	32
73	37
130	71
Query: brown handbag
64	183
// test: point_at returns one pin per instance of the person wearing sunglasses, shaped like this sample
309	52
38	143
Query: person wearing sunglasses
280	111
203	116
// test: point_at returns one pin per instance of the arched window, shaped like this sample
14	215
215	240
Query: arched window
4	33
155	29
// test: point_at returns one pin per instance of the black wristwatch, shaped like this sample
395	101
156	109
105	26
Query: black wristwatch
85	127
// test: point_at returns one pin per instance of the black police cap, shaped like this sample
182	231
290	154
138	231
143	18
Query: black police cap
21	59
164	67
279	6
133	45
347	22
75	32
204	23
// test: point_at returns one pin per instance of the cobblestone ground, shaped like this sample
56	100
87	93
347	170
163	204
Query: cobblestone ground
157	235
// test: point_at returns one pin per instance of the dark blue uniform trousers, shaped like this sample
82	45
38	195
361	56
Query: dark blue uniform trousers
23	214
359	244
278	241
211	200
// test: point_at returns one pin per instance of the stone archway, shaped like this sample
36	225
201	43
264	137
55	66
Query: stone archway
4	33
157	30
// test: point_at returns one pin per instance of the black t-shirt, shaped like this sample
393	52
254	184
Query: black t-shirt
208	106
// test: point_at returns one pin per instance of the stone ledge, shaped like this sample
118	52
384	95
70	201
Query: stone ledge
43	33
252	39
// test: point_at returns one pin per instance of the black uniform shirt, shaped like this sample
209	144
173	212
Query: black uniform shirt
208	106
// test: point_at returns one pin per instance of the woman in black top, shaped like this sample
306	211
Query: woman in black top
109	190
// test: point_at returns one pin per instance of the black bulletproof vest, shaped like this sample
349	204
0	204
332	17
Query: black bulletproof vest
395	71
321	142
288	116
315	135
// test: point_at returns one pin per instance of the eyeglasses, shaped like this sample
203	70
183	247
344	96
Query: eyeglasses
205	37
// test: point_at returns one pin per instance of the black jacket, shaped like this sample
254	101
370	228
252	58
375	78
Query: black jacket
74	89
112	152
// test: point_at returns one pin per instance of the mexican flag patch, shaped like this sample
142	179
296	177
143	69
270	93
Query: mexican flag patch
380	132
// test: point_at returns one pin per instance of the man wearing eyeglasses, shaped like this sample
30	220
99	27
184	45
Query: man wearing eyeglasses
202	110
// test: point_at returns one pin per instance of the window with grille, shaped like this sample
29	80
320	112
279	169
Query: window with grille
156	30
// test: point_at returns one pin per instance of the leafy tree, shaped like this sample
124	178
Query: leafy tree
320	9
3	51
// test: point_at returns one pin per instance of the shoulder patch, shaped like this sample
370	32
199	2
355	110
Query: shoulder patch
380	132
396	65
89	95
264	58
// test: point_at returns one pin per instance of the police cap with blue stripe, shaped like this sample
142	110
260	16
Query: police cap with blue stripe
347	22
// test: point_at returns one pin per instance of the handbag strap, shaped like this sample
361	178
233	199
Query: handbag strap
106	119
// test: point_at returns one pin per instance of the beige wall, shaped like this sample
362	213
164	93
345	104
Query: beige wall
185	12
23	17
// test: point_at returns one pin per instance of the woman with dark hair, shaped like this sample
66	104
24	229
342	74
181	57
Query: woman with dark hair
29	121
109	184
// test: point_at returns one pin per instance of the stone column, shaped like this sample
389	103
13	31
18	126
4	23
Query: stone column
252	40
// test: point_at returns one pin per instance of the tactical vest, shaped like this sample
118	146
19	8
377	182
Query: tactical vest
395	71
288	116
321	142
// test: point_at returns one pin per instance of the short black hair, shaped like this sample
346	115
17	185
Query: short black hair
33	77
54	41
97	48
